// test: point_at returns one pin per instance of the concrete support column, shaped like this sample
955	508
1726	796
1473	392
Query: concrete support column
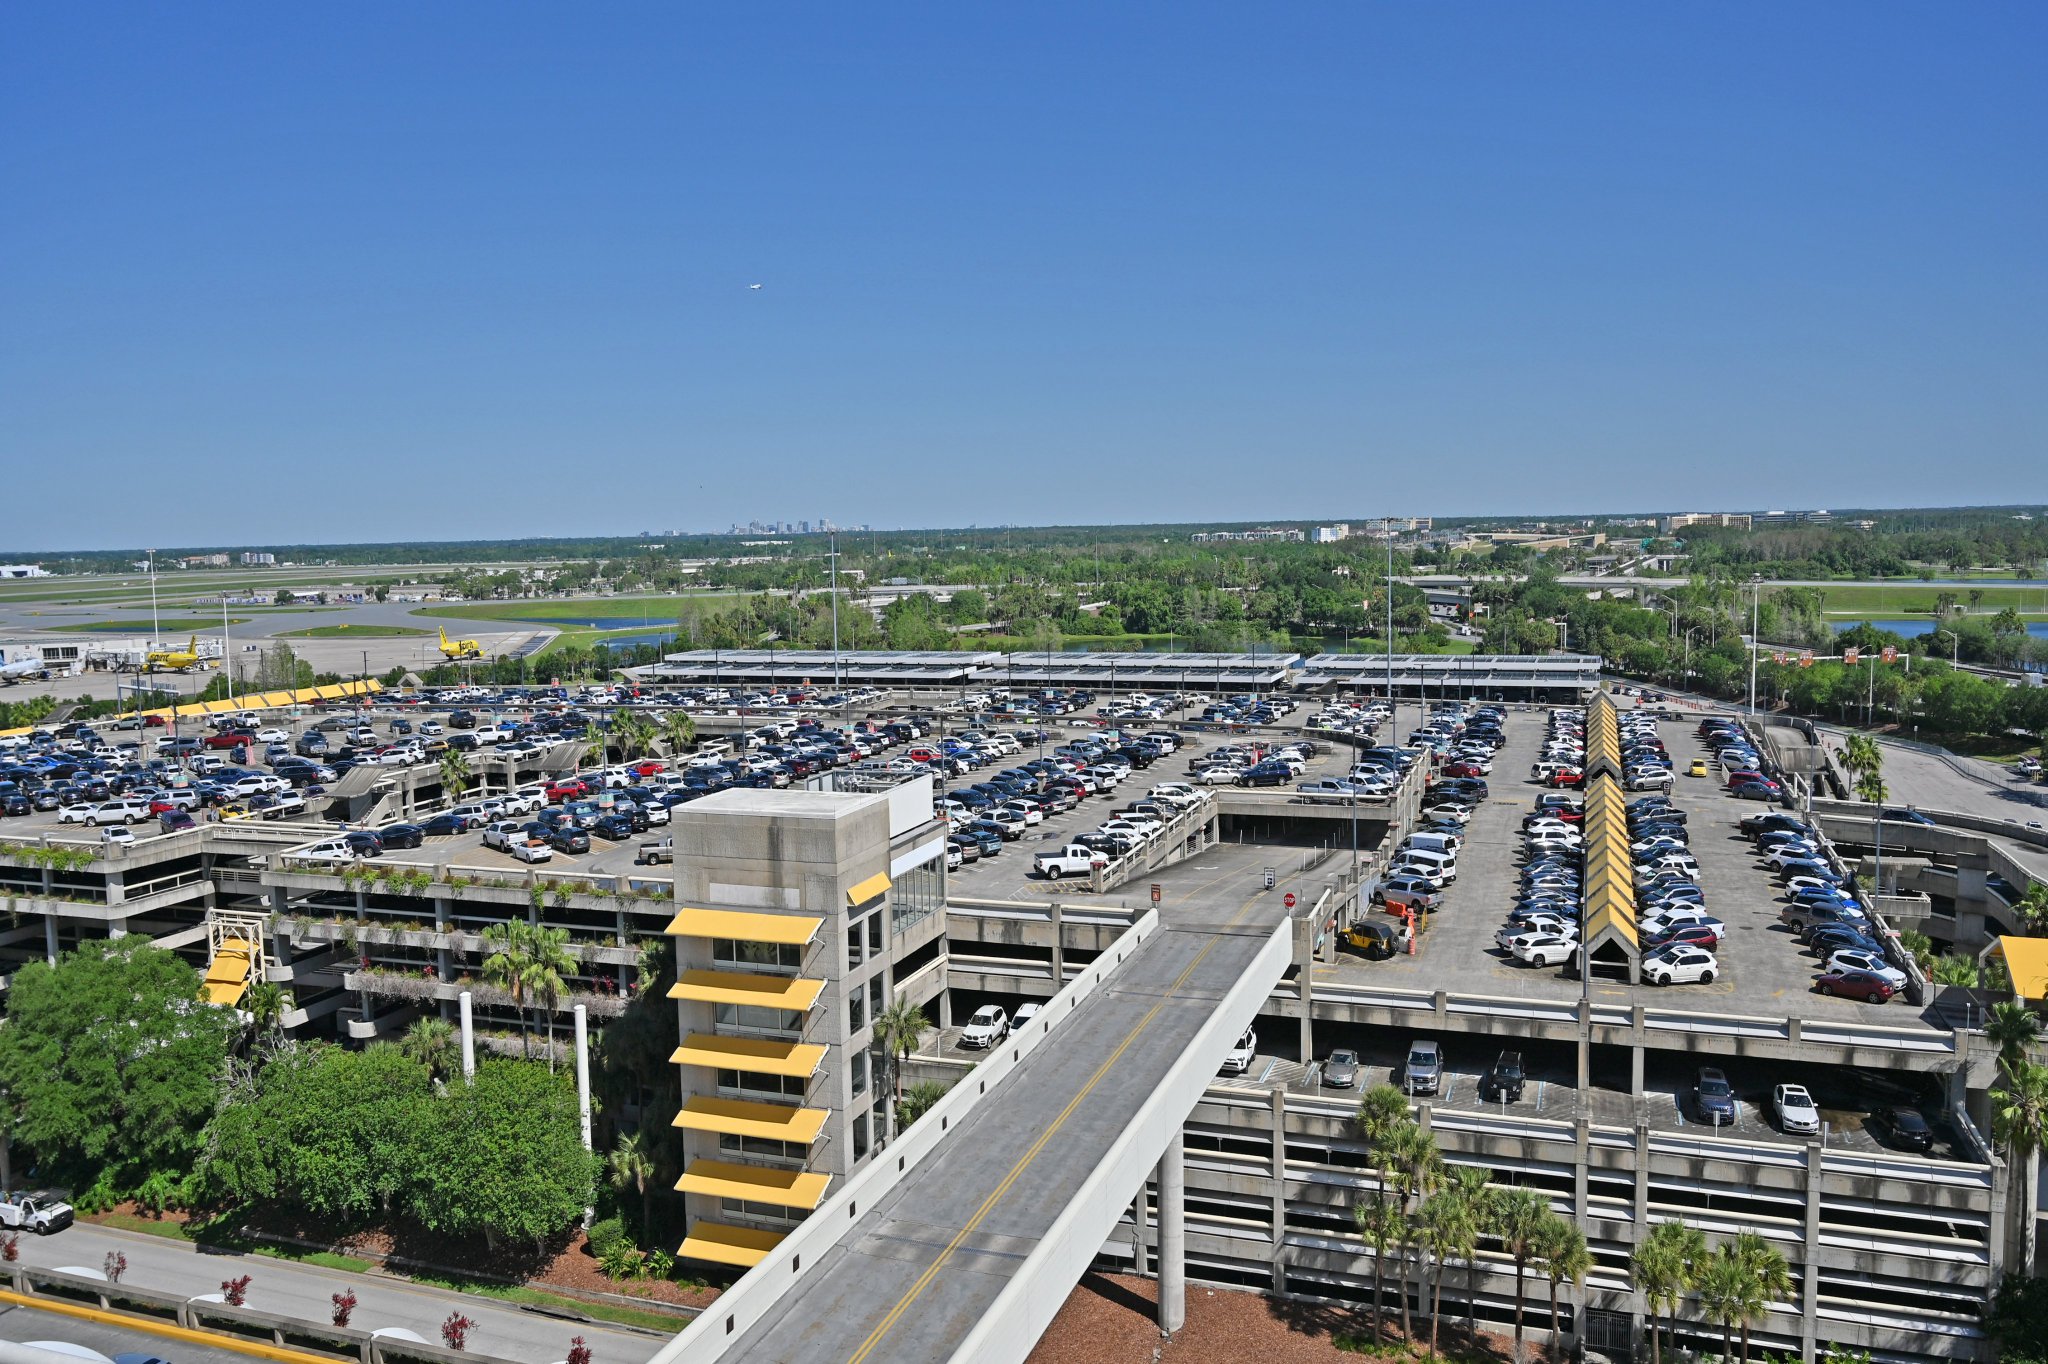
1635	1069
1642	1174
1582	1141
1138	1230
468	1036
1173	1238
1059	946
1279	1159
1809	1278
583	1072
1585	1046
50	937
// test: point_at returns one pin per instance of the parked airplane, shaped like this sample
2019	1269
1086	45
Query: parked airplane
459	648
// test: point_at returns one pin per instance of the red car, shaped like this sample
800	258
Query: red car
1461	770
1686	935
1856	985
1736	779
575	788
1570	776
227	738
648	767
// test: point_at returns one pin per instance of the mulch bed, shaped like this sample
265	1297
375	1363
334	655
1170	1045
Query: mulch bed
1110	1319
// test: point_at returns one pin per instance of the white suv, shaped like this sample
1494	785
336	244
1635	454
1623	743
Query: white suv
1238	1059
1679	966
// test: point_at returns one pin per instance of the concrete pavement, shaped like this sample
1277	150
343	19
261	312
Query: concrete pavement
503	1330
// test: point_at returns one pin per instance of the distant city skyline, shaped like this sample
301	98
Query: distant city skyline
466	272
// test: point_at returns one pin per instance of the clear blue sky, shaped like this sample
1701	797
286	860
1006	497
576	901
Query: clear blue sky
378	271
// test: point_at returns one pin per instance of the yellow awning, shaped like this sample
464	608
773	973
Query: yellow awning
1607	921
743	1247
766	992
227	978
271	699
756	1055
2026	960
746	1118
787	929
871	889
756	1183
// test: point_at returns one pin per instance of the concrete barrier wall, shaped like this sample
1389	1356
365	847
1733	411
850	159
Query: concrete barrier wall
1011	1327
713	1335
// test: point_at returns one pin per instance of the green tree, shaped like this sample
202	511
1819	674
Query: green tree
504	1157
1663	1268
431	1043
1518	1217
1723	1287
2013	1027
455	774
507	966
1417	1167
1562	1248
1380	1226
264	1003
549	965
898	1029
631	1166
1768	1279
2019	1122
917	1101
1452	1221
679	730
1382	1113
109	1059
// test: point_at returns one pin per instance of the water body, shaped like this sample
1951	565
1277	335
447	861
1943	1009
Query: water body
1913	629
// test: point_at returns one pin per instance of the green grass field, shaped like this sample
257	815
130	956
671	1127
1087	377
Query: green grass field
583	636
1917	599
172	625
658	611
354	632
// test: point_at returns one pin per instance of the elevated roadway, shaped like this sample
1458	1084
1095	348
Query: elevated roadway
969	1254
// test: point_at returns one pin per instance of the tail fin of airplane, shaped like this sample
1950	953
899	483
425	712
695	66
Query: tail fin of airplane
444	636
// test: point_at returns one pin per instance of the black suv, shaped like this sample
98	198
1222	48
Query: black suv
1503	1084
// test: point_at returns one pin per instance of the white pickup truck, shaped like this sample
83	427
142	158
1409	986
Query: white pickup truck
41	1213
1076	859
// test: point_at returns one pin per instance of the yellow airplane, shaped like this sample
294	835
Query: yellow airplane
459	648
173	660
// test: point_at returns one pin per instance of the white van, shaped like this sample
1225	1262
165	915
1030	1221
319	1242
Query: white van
1444	843
1442	865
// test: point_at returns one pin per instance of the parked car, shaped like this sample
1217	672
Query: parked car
1423	1072
1503	1082
1797	1113
1714	1097
988	1026
1340	1071
1680	966
1238	1059
1855	985
1904	1128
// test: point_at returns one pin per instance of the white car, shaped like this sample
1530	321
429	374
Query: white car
1681	966
1219	775
1850	960
1797	1112
1656	925
1544	949
273	735
989	1026
529	850
1238	1059
1027	812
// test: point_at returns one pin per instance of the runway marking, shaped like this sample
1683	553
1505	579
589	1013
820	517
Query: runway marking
916	1290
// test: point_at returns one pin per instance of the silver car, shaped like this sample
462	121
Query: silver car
1341	1070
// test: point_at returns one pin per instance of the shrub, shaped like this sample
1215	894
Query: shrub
621	1262
235	1291
579	1353
607	1236
456	1331
10	1246
344	1306
114	1266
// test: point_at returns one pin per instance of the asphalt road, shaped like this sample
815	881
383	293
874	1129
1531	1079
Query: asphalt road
302	1290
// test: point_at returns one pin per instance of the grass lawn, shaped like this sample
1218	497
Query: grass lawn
651	1318
583	636
176	625
1917	599
354	632
657	611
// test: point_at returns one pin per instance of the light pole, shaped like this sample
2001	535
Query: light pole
156	628
227	659
836	685
1393	708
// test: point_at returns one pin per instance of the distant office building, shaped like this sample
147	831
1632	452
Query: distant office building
1736	520
255	558
1330	535
23	571
1790	518
205	561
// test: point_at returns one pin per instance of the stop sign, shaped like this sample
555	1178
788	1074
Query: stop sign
1288	899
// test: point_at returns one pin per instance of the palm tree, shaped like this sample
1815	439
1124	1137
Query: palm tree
548	968
2019	1121
431	1043
1518	1218
1472	1183
1663	1268
631	1164
1382	1112
898	1029
1769	1280
2014	1027
1417	1164
264	1004
1870	786
1951	969
1860	754
1722	1284
1379	1226
1450	1229
455	774
506	966
1562	1248
680	730
2033	906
